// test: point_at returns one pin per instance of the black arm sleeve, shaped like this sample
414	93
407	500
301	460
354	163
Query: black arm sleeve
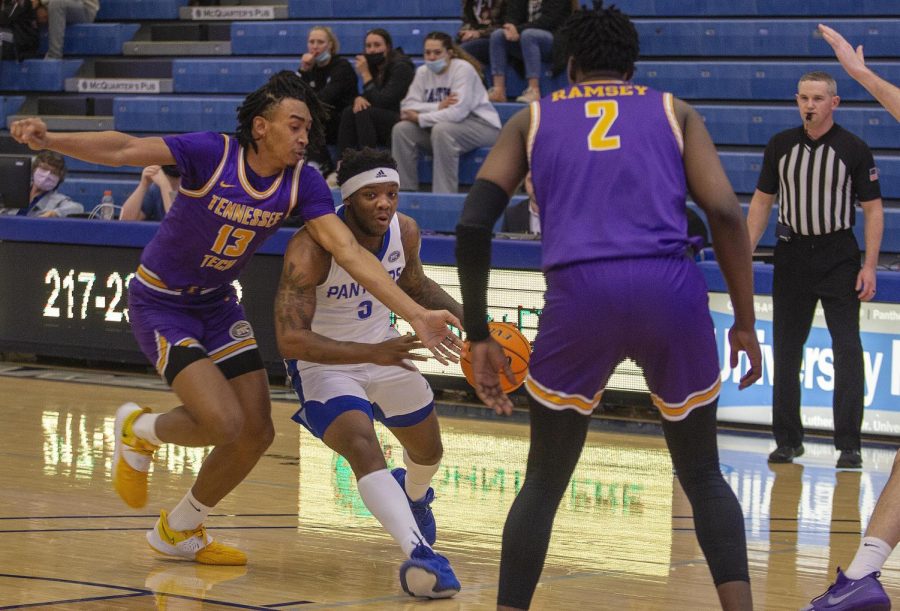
484	205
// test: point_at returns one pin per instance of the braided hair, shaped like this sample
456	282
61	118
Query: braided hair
284	84
601	40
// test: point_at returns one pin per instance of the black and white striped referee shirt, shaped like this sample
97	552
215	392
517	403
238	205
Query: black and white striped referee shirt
818	182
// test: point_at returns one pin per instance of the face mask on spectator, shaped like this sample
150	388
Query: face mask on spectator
374	60
323	58
45	180
437	66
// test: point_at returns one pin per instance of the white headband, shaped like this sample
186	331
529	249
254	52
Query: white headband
371	177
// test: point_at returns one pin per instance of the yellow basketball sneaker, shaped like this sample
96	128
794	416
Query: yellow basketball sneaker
132	457
194	545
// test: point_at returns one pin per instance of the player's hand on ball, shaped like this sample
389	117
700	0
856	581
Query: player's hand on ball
489	362
397	351
32	132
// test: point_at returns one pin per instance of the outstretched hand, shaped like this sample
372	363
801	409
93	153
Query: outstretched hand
488	363
398	352
31	131
854	62
432	330
742	340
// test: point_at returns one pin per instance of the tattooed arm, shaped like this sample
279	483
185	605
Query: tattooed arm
306	265
423	290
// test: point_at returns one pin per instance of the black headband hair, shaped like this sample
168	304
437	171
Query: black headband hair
355	162
282	85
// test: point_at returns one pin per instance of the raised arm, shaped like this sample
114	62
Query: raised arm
430	325
502	171
131	209
712	191
423	290
106	148
854	62
306	265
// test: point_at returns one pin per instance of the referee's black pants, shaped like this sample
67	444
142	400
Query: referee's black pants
809	269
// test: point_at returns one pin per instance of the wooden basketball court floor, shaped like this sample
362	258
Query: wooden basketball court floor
624	536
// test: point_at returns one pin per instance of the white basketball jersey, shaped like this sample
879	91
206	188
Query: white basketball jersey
345	310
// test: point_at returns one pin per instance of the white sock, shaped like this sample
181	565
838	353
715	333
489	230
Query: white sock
145	427
384	497
418	477
188	514
870	557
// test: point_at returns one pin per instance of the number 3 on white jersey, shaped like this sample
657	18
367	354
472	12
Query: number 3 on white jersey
606	112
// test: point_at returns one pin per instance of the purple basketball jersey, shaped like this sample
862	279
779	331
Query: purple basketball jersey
608	175
223	213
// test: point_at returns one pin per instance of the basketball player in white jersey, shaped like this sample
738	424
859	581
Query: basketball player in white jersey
349	366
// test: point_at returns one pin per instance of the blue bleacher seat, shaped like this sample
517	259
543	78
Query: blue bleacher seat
742	168
754	125
37	74
289	37
468	166
743	171
77	166
890	242
761	37
89	190
749	80
168	114
227	75
358	9
94	38
10	105
139	9
741	8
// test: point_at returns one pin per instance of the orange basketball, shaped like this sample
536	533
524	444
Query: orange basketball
517	349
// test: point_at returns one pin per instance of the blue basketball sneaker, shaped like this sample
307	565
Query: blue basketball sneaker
427	574
848	594
421	509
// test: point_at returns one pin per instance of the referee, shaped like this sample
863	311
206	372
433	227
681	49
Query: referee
819	171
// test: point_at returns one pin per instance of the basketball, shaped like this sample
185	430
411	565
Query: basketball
517	349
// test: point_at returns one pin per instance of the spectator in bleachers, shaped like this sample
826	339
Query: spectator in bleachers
154	195
18	29
334	81
61	13
47	172
529	35
446	112
386	74
480	19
